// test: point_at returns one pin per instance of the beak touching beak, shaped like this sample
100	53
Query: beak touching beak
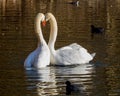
44	23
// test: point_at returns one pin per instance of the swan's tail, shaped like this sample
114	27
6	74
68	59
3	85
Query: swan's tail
93	55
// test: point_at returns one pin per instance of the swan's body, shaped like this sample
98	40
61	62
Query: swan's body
68	55
41	56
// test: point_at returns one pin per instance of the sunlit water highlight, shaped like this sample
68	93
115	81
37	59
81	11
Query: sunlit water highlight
17	39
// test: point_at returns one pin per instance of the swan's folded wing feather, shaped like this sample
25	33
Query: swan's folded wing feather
73	54
68	56
82	52
76	46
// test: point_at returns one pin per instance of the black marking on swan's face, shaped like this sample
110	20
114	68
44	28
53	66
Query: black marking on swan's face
47	16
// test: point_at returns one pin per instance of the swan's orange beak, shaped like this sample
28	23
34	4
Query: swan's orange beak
44	23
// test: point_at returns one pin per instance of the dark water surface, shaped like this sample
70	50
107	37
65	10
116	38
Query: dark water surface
101	77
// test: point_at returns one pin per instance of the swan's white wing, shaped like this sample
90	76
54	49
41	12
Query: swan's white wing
73	54
75	46
82	51
68	56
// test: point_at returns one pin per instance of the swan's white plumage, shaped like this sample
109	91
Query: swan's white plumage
40	57
68	55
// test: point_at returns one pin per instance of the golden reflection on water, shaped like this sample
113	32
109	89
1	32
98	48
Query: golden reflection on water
18	39
113	49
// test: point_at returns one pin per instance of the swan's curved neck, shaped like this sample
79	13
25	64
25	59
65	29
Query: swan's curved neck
53	33
39	30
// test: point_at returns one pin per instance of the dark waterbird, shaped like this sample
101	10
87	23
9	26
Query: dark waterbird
74	3
71	88
96	30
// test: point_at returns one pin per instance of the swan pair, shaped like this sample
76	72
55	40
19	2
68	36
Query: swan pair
46	54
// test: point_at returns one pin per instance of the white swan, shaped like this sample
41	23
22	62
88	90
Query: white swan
40	57
68	55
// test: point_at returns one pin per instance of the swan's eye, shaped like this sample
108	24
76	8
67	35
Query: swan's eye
44	23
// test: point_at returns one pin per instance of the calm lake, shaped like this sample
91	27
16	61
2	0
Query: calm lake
101	77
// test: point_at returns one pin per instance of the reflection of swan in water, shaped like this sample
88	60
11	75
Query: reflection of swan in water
47	82
51	80
81	71
80	75
45	78
68	55
40	57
